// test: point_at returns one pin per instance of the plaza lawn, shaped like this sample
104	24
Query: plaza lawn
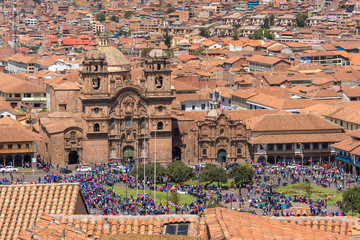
195	183
184	198
300	189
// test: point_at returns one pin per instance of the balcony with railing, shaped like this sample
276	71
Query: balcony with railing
343	158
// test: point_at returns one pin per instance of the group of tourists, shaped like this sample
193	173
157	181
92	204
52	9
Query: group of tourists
97	190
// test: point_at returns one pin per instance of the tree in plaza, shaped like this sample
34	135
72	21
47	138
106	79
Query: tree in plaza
242	175
351	200
179	172
212	173
167	38
114	18
149	171
101	17
300	19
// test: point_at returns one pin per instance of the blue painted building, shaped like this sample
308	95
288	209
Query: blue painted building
347	152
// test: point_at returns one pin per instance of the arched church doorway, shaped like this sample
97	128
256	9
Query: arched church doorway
221	156
176	153
128	154
73	157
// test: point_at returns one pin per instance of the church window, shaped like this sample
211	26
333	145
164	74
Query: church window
203	106
96	127
158	81
96	83
127	122
73	136
182	107
222	131
142	122
204	151
160	126
159	66
96	68
96	110
239	151
160	108
62	107
193	107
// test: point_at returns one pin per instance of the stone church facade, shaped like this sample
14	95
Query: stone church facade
119	118
103	114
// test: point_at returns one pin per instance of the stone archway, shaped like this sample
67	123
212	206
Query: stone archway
73	157
9	160
298	160
221	156
176	153
27	159
271	160
18	161
262	160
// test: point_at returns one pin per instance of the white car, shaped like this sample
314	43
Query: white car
84	169
293	166
9	169
119	168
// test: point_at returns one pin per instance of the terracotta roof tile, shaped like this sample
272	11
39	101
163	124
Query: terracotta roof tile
227	224
27	204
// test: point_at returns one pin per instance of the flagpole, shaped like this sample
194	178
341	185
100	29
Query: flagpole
137	166
155	172
144	153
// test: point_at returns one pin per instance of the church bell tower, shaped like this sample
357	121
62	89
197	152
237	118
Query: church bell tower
94	74
157	73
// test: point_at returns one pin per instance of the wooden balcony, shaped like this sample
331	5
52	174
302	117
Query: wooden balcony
12	151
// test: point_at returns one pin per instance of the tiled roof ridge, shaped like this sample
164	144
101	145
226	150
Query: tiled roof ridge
39	185
185	216
344	218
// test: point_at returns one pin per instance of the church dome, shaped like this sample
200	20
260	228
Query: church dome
114	56
94	54
157	53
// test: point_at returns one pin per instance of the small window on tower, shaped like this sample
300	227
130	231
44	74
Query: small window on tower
96	83
158	82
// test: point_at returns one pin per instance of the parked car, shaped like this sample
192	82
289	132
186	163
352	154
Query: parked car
293	166
84	169
316	167
9	169
119	169
65	171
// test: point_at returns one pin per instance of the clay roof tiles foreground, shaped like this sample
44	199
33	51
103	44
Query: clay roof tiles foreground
22	205
13	131
227	224
120	226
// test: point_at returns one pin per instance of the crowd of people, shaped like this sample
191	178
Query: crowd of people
96	188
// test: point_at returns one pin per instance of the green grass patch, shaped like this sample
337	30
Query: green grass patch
191	182
317	192
160	196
